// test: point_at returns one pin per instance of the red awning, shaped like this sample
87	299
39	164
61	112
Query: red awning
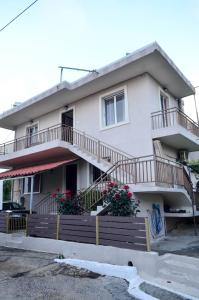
34	169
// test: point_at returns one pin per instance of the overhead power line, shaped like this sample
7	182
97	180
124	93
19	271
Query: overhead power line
11	21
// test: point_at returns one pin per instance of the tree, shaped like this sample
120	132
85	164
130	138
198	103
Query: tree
7	190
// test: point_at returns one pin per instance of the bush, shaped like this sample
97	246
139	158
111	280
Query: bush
120	200
67	204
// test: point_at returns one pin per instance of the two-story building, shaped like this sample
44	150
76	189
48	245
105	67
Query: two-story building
126	119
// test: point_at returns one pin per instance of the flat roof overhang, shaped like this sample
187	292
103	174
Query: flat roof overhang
150	59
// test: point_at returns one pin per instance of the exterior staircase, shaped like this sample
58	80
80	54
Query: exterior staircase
120	167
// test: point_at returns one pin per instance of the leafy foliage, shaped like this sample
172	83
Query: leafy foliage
7	190
67	204
120	200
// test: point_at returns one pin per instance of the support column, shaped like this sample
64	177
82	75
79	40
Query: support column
31	193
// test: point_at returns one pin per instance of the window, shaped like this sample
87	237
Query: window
114	109
32	136
27	184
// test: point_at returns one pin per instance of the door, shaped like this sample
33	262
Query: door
71	178
164	106
67	126
32	135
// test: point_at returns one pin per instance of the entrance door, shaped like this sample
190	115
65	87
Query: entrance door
67	126
71	178
164	106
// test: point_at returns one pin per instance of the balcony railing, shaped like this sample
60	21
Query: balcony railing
143	171
172	117
71	135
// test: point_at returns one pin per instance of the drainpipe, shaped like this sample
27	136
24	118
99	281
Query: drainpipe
193	205
31	193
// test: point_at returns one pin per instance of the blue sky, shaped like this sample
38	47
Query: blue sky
89	34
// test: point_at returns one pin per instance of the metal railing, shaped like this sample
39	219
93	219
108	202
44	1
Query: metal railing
71	135
171	117
47	205
143	170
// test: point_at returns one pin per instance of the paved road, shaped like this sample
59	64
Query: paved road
28	275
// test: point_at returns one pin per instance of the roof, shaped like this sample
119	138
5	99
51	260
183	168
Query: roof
34	169
150	59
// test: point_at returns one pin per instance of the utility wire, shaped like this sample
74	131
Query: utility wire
18	15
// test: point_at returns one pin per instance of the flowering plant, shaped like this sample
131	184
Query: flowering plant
67	204
120	200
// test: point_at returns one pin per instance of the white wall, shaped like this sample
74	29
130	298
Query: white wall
143	95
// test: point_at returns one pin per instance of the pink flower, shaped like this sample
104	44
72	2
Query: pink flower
117	196
62	200
129	194
53	195
126	187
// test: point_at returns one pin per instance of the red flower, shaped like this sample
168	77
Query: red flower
126	187
104	192
68	192
62	200
53	195
111	184
129	194
117	196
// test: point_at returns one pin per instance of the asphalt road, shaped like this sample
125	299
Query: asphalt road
32	275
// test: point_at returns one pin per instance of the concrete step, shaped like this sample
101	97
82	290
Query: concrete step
180	277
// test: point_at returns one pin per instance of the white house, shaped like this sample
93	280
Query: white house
126	118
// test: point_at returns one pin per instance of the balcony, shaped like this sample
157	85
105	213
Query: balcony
56	142
174	128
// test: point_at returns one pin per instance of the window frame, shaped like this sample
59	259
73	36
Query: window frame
102	99
26	192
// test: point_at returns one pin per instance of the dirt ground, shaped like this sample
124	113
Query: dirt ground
32	275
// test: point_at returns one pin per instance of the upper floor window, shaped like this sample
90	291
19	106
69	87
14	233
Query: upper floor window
114	108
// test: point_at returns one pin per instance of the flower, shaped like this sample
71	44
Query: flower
126	187
129	194
111	184
117	196
104	192
53	195
62	200
68	192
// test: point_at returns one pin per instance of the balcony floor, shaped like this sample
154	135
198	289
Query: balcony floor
177	137
50	151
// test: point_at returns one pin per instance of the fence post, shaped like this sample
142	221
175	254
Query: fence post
7	223
148	244
58	227
26	225
97	230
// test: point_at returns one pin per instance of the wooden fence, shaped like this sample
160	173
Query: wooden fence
122	232
3	223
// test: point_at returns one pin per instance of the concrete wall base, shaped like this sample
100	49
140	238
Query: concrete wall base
179	270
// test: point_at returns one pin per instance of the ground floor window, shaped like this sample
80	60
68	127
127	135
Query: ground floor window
36	186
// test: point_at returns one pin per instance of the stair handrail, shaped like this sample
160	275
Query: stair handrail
41	201
102	143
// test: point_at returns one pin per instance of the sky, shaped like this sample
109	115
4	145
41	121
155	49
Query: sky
89	34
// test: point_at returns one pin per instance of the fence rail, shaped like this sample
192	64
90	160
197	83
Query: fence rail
122	232
171	117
